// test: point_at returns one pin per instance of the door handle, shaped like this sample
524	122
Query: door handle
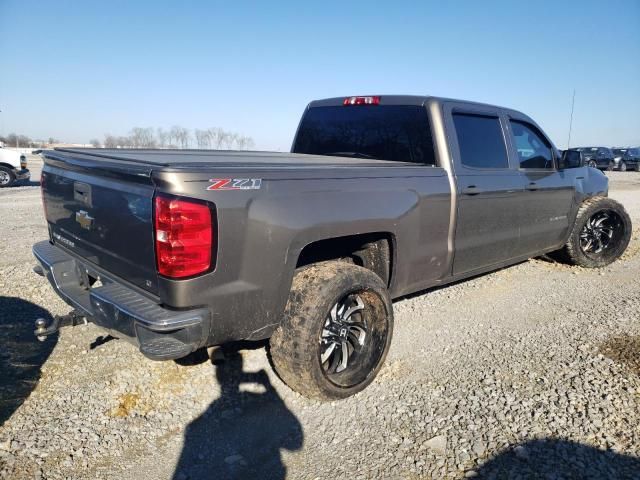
471	190
533	186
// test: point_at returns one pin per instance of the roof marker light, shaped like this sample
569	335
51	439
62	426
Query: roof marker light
361	101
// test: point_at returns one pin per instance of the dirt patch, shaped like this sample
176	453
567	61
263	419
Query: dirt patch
624	350
126	403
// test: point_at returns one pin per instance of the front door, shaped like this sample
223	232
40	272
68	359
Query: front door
548	192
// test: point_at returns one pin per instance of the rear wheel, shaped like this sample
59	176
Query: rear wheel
600	234
593	164
336	332
7	178
623	166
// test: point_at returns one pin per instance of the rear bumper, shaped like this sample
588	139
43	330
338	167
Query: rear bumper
159	332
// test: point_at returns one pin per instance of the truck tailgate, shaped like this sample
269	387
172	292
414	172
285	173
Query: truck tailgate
103	212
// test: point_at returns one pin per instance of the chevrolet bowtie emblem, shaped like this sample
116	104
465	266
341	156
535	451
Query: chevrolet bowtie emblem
84	219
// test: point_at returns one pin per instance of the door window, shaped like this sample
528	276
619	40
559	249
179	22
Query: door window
533	149
480	141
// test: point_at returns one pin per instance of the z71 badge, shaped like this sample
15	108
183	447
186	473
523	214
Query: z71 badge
235	184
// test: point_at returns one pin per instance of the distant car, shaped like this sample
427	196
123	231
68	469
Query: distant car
597	157
13	167
627	158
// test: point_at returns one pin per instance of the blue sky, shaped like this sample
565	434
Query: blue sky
78	70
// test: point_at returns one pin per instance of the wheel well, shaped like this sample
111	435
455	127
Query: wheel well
6	165
371	250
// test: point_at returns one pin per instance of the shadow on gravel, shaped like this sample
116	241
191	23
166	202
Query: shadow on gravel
559	459
28	183
242	433
21	354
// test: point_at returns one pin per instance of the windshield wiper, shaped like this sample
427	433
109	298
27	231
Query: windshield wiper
351	154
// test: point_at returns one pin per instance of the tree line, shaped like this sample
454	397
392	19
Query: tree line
18	140
177	137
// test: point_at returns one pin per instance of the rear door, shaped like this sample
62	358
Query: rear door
548	193
489	188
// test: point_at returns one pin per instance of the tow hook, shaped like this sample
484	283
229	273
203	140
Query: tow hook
42	331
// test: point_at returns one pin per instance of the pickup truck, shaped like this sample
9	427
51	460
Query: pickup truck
13	167
381	197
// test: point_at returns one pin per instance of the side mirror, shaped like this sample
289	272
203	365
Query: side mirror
569	159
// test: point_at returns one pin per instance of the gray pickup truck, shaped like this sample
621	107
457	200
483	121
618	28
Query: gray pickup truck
382	196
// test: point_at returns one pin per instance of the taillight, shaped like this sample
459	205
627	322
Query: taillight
184	237
361	101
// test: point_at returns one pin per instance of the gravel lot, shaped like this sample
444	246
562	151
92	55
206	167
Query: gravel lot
532	371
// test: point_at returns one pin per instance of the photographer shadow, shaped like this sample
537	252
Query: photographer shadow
21	354
242	433
559	459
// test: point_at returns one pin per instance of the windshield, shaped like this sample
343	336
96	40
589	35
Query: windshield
384	132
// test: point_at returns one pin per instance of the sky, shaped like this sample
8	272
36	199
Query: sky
78	70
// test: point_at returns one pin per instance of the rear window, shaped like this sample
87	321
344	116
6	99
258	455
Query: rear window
385	132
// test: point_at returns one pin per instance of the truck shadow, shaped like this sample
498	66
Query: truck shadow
21	354
242	433
550	458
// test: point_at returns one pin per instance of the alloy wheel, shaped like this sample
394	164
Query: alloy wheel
600	233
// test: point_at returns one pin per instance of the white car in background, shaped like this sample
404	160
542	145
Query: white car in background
13	167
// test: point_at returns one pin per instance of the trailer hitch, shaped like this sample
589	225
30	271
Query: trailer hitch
43	330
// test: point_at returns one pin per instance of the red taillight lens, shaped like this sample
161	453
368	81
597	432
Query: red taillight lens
361	101
184	237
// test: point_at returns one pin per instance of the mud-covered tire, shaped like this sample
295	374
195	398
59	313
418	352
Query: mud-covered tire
296	346
574	252
7	178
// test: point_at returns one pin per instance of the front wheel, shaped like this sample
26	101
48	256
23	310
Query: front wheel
336	331
7	178
623	167
600	234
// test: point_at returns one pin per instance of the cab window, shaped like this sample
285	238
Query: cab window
480	141
534	151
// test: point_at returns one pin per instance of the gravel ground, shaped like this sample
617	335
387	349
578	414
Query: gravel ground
529	372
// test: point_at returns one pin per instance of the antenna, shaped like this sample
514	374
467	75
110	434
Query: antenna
573	101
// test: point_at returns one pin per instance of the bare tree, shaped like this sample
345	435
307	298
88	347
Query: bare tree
202	138
231	140
217	137
181	135
244	143
95	143
163	138
110	141
177	137
142	137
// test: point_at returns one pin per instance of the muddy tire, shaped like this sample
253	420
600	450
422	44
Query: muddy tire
7	178
336	331
600	234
